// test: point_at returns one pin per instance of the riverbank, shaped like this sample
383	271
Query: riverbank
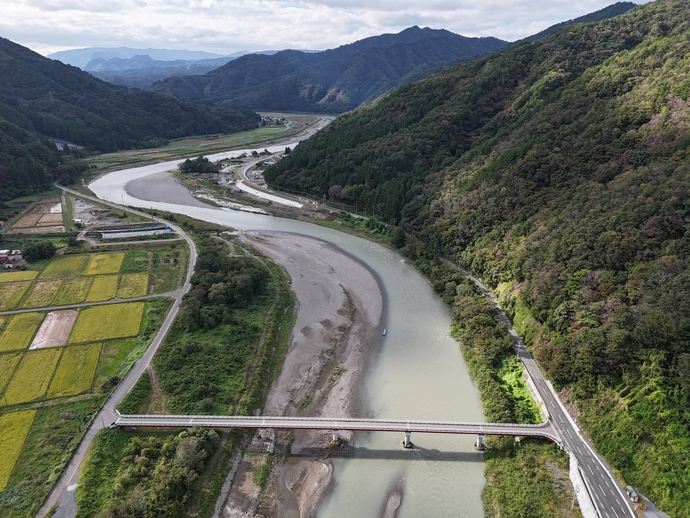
338	326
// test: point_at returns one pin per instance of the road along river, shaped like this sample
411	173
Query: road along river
415	372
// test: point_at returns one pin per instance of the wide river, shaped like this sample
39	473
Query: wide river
418	373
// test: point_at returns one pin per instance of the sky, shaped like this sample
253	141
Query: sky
227	26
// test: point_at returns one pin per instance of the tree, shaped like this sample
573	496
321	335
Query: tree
37	250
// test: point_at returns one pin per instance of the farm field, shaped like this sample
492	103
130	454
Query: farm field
133	285
31	379
68	266
17	276
107	322
12	293
42	294
73	291
104	287
20	331
14	428
104	263
53	436
75	371
55	329
8	362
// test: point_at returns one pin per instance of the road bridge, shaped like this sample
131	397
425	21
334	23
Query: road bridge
333	425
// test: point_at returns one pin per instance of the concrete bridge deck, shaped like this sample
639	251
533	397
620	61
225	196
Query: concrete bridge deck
544	430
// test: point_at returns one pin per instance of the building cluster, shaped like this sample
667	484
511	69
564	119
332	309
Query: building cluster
11	258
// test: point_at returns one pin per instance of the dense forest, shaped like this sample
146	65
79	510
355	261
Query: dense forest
42	100
558	171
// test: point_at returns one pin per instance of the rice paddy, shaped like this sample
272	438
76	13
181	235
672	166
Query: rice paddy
104	263
107	322
73	291
17	276
14	428
68	266
75	372
103	288
20	331
31	379
133	285
11	293
8	362
42	294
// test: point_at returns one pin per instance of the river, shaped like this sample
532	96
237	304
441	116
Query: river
418	373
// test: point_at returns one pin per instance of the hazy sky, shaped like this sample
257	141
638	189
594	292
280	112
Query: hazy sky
226	26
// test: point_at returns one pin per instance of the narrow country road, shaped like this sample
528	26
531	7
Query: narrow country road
63	494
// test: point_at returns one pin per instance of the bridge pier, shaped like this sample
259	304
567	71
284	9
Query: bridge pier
479	445
407	443
335	438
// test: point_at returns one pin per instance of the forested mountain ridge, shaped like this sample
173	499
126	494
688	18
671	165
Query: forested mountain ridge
331	81
42	98
558	171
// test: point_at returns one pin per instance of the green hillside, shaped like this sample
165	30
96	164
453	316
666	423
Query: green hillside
559	172
41	98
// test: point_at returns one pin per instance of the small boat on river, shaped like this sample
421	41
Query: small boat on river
384	331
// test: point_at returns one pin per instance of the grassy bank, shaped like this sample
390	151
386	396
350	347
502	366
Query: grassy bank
220	357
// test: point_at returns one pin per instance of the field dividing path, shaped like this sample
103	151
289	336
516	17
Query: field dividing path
64	492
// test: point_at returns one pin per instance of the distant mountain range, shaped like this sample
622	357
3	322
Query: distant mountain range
140	68
141	71
82	57
338	80
331	81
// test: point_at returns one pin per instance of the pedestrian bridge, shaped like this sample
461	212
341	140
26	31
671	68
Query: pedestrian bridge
544	430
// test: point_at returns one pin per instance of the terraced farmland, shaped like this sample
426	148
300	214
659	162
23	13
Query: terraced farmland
133	285
12	293
75	372
20	331
73	291
17	276
107	322
42	294
14	428
8	362
68	266
104	287
104	263
32	377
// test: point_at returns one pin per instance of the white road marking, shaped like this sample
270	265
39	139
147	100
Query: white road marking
590	470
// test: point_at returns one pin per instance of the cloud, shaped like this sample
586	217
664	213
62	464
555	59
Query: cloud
226	26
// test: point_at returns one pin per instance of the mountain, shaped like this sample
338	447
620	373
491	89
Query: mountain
559	172
597	16
331	81
81	57
41	98
141	71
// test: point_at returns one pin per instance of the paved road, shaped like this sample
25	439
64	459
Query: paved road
172	294
544	430
606	492
63	493
245	184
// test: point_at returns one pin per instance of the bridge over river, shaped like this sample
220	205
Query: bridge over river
545	430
